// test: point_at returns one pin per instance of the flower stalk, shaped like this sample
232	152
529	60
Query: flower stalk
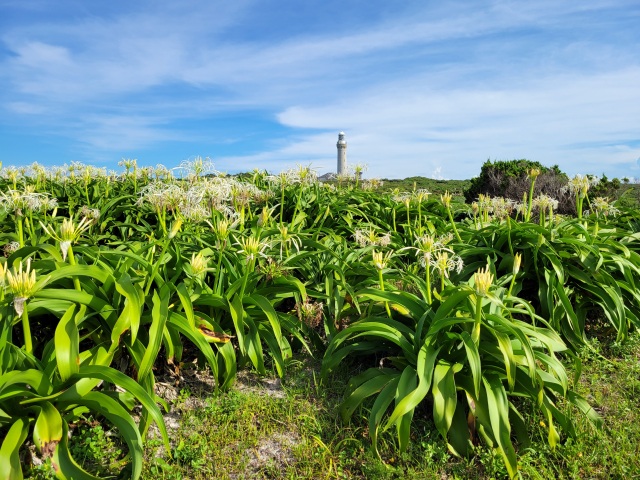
22	284
380	261
446	201
175	228
482	281
517	261
533	173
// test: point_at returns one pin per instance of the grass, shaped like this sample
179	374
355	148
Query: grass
267	430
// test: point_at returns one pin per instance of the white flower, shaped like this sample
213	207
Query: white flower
580	185
444	263
369	237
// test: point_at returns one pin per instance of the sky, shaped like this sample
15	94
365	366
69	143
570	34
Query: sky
420	87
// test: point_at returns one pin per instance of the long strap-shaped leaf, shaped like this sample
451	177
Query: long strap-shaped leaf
116	377
66	467
498	413
48	430
159	315
129	318
10	467
67	344
181	324
120	418
424	370
266	307
444	396
25	380
406	385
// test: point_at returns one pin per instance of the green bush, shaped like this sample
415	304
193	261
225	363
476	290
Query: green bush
509	179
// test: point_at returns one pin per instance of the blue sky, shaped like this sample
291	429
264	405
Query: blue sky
423	87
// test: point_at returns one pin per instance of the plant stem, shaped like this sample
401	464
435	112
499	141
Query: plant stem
20	231
251	264
453	224
428	279
579	201
509	235
31	233
156	266
408	219
475	335
386	304
26	329
511	284
530	202
72	261
219	273
282	204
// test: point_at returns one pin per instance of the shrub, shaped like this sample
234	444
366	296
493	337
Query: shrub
509	179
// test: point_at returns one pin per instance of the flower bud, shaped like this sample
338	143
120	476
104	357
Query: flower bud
175	227
482	280
517	261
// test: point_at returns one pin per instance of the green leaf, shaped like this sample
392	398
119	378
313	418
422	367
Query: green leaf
424	369
498	411
237	315
10	467
68	271
67	344
25	380
185	299
444	396
181	324
130	316
574	332
452	301
473	358
120	418
47	431
227	375
587	409
459	439
410	304
504	344
268	310
388	329
406	385
159	315
63	463
380	406
125	382
375	381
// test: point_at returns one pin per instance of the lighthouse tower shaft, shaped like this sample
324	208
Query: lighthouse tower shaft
342	154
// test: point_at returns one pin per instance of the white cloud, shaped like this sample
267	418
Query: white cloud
428	88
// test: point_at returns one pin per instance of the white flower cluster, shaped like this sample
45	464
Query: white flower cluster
545	203
580	185
197	201
91	214
368	237
372	184
444	262
428	246
79	171
602	206
299	175
26	201
197	167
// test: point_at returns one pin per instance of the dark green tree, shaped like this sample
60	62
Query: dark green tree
509	179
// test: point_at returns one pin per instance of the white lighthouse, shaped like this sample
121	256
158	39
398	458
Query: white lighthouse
342	154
